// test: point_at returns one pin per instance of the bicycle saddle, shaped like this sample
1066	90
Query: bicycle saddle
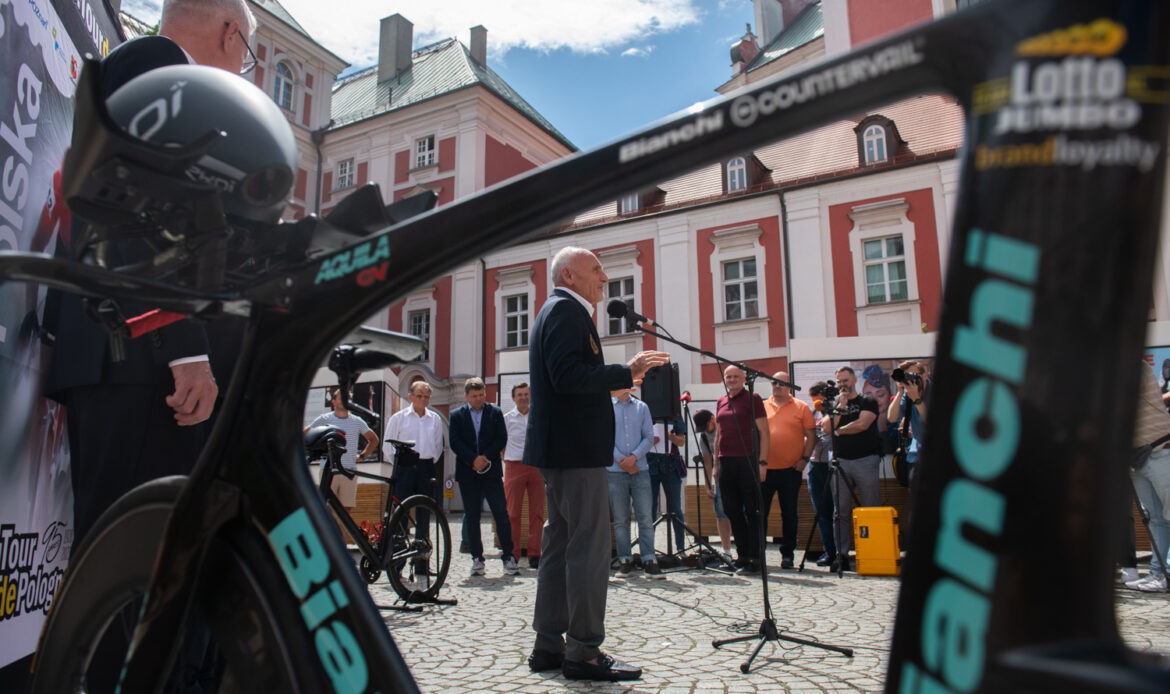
321	438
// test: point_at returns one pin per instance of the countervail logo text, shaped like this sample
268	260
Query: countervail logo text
747	108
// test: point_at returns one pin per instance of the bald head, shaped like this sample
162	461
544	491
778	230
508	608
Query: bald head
781	393
212	31
579	269
733	379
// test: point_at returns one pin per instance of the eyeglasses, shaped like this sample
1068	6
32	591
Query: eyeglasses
249	63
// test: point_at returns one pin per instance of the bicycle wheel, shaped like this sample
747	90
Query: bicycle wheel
419	541
255	637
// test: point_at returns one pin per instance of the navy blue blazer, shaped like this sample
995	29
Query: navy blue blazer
80	356
493	437
571	421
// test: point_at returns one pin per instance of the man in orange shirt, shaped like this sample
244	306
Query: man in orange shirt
793	436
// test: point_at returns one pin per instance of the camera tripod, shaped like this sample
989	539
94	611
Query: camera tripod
830	493
706	556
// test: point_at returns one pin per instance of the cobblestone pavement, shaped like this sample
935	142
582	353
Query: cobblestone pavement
666	627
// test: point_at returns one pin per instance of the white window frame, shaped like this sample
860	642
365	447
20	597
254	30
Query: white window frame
742	281
884	262
410	329
629	204
736	175
620	262
521	313
422	300
875	134
284	85
630	300
510	282
880	220
745	338
346	174
426	151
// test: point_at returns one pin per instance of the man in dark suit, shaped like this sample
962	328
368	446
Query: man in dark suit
478	436
139	418
570	437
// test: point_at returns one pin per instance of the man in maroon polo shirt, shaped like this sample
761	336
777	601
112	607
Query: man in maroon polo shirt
739	463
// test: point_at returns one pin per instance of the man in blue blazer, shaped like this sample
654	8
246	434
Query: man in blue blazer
478	437
139	418
570	437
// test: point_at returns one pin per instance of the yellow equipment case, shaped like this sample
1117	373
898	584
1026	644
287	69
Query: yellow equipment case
875	539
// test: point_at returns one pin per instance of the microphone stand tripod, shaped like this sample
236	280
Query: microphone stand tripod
767	630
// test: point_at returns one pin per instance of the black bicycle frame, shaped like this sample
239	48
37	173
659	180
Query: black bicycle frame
1048	287
356	533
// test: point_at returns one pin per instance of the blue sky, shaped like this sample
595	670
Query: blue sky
596	70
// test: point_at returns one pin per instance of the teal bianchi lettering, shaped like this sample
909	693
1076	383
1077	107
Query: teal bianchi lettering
306	566
985	435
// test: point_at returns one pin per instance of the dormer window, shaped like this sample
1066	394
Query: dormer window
736	174
874	144
877	140
628	204
282	87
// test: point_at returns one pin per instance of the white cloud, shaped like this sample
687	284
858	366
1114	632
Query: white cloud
350	29
638	51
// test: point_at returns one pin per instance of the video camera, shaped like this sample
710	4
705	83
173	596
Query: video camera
828	391
906	377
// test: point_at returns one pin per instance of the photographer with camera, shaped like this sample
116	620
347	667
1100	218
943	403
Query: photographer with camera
818	474
910	402
859	453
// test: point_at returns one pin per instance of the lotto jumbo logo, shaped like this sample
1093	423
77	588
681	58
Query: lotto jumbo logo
1102	37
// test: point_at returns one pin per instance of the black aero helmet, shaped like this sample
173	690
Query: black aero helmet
252	166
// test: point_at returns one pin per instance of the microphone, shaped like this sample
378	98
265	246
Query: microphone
686	396
617	308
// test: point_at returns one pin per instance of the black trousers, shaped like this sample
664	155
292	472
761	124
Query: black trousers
741	503
121	436
785	485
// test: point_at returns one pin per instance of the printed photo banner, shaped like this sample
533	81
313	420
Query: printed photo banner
42	44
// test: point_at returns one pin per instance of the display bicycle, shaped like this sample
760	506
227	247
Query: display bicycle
411	541
1049	274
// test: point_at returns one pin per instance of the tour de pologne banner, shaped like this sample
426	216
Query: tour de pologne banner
42	43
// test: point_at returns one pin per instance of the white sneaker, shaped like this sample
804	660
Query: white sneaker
1128	575
1152	583
510	566
477	567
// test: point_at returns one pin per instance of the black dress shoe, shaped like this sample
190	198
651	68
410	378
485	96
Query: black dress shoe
607	669
751	568
786	563
825	559
542	661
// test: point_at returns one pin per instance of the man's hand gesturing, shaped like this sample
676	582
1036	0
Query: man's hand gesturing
644	361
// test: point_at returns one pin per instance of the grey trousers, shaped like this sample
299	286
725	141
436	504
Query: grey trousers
864	474
574	563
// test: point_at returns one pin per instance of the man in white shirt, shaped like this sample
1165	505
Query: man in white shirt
520	478
355	428
425	428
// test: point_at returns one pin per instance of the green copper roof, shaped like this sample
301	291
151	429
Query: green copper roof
808	25
440	68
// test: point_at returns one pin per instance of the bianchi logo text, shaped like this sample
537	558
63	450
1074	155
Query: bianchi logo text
703	124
